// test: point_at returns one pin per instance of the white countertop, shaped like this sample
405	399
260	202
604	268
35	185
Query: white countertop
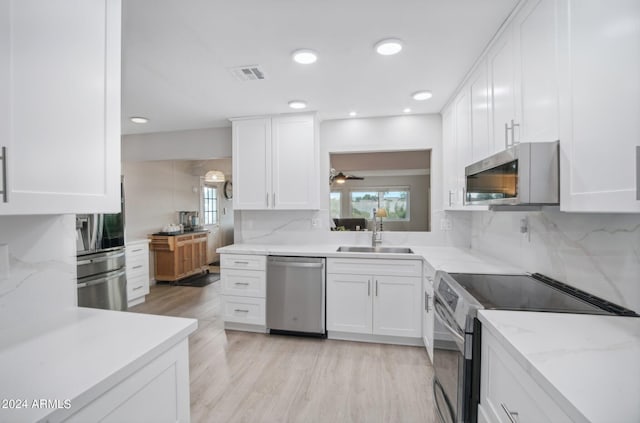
81	356
589	364
450	259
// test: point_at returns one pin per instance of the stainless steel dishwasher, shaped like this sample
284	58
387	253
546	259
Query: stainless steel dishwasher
296	295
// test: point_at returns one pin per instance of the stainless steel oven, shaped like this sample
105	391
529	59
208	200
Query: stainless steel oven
458	332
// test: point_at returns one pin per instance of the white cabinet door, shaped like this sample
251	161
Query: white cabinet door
294	163
349	304
60	106
251	150
463	142
449	159
535	32
428	321
480	102
502	84
508	390
600	106
397	305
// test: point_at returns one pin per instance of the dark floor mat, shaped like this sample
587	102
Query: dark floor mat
199	280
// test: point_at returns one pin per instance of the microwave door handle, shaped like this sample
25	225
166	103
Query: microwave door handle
506	135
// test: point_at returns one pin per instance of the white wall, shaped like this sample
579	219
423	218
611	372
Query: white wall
410	132
195	144
598	253
154	192
42	279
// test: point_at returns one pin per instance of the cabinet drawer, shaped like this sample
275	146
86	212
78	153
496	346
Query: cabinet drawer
137	287
243	261
138	271
244	310
137	251
387	267
243	283
506	386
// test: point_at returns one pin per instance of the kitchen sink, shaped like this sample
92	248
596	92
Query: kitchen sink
392	250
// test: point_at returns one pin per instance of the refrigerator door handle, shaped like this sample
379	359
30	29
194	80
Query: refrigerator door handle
92	222
100	232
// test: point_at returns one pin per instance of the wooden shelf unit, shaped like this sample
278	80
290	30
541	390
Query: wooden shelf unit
179	256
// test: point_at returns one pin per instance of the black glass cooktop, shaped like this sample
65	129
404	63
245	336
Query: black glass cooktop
533	293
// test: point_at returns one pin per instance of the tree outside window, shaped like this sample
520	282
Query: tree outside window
395	201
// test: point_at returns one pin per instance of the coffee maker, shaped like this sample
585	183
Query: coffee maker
190	220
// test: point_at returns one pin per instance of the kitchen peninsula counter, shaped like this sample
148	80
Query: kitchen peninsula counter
588	364
82	354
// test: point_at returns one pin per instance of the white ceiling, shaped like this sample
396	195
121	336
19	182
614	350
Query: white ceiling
176	56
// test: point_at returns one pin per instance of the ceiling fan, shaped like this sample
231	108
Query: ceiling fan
341	178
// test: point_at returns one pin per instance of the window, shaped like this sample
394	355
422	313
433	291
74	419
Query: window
210	205
335	206
394	200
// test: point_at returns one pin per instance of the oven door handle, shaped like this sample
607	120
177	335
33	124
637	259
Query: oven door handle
437	306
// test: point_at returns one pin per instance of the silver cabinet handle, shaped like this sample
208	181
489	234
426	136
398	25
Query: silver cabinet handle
138	287
241	283
638	173
506	135
136	250
368	287
512	415
376	287
513	133
267	198
5	198
426	302
240	262
450	192
273	198
137	267
238	310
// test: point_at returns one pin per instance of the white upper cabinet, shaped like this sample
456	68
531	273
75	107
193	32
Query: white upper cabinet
535	30
449	159
60	106
276	163
523	77
600	106
480	103
503	87
251	157
294	154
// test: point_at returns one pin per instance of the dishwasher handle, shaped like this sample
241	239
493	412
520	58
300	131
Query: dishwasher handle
296	264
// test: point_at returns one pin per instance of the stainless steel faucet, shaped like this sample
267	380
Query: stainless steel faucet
376	237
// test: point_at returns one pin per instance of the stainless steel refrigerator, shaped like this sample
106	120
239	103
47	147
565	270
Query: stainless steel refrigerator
102	281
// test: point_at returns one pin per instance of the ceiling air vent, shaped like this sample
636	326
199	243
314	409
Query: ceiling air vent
248	73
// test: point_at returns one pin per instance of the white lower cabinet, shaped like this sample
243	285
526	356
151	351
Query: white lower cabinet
374	296
137	259
428	317
159	392
507	391
244	287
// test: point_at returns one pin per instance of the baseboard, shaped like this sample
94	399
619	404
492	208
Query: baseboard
135	302
245	327
379	339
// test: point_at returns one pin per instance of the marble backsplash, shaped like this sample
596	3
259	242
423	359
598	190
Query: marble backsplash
42	272
312	227
598	253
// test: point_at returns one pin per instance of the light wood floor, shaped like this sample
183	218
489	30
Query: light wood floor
248	377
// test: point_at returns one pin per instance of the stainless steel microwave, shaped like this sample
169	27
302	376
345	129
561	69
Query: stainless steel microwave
525	174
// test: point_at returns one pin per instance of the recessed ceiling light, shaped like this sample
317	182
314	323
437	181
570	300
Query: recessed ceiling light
389	46
422	95
139	119
352	114
406	110
297	104
304	56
